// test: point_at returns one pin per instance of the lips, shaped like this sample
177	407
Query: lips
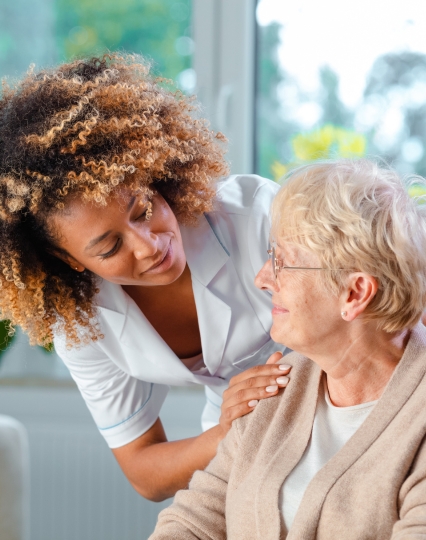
163	256
278	310
164	261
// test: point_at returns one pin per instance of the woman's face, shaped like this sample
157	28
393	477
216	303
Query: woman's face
118	243
305	315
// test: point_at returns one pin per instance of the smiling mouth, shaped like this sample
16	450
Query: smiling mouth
157	265
276	310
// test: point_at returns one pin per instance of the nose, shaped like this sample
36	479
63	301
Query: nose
265	279
144	245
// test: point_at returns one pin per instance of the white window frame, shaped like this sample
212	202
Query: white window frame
224	33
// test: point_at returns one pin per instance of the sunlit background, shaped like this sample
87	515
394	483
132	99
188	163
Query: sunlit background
341	78
288	83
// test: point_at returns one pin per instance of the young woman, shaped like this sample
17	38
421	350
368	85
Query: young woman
124	242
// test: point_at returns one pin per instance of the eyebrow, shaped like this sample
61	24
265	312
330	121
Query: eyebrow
98	239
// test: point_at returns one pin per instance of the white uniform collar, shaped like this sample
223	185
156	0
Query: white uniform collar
205	255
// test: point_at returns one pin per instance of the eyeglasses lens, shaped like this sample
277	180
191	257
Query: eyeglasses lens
274	263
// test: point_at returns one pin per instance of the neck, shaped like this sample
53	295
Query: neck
362	364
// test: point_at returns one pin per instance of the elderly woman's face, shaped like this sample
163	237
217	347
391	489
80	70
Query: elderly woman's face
118	243
304	314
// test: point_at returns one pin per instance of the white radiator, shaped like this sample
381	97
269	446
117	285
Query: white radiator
78	491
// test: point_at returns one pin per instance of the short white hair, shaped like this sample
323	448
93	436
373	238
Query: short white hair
357	215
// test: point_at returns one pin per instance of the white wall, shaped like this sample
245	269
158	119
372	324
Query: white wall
77	488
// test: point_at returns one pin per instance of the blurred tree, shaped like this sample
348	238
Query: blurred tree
396	90
395	69
49	31
272	130
159	29
279	134
333	110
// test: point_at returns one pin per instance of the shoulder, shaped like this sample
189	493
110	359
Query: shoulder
237	194
280	419
304	379
111	312
241	216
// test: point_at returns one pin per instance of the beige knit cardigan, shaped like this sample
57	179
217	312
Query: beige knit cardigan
373	488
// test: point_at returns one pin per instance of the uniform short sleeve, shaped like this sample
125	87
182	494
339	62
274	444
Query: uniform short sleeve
122	406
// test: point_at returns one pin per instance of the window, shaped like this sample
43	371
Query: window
47	32
340	80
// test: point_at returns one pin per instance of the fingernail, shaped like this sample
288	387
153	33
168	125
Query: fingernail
253	403
283	367
282	380
271	388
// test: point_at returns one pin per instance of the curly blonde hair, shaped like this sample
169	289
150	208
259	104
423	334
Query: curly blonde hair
86	128
357	215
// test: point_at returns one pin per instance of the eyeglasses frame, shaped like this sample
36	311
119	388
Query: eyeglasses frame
276	267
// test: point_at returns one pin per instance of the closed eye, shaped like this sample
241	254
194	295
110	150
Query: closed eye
112	251
143	215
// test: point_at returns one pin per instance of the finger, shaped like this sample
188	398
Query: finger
275	357
259	371
275	377
256	390
233	411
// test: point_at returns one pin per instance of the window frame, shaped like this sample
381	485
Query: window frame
224	33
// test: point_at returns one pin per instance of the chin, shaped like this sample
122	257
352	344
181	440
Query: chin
275	334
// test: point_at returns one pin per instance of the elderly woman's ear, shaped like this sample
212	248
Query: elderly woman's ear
360	290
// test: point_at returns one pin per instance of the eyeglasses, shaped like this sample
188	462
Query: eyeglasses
276	267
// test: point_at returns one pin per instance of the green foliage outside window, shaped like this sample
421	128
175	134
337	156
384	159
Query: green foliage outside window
5	337
157	28
322	143
46	32
395	84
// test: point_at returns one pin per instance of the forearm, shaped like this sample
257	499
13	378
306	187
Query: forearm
157	471
199	512
157	468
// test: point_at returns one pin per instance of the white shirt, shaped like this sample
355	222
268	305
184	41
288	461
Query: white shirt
124	378
332	428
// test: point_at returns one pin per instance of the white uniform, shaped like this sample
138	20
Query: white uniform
124	378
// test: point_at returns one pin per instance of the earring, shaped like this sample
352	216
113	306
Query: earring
343	314
75	267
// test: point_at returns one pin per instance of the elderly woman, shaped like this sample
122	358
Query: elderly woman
342	453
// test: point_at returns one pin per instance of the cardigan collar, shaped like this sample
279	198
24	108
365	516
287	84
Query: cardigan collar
404	381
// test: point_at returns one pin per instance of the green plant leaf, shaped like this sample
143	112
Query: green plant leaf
5	337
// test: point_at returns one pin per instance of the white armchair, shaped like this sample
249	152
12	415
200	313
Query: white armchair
14	480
